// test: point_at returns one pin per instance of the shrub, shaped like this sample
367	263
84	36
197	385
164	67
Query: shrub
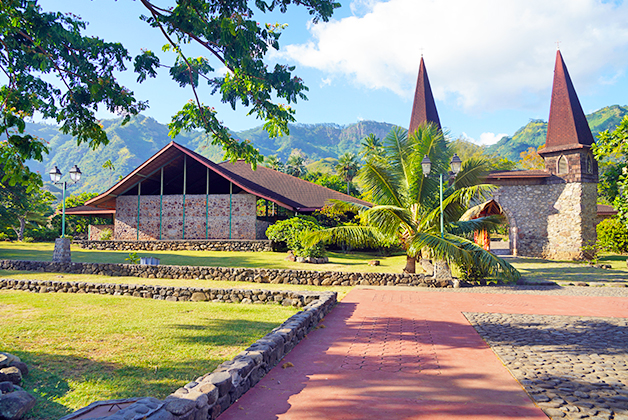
28	239
4	237
291	231
133	258
106	235
612	236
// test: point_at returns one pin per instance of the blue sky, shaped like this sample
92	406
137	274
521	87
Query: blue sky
490	62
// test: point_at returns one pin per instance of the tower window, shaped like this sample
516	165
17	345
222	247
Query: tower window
563	167
589	166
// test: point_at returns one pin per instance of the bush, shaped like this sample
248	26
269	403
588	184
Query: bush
43	234
612	236
106	235
28	239
291	232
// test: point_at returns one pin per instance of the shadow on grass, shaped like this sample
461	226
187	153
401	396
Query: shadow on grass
221	332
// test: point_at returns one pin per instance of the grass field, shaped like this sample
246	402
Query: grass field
84	348
338	261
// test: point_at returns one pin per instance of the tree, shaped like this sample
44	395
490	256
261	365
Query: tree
614	146
530	159
76	224
35	45
295	165
23	202
371	146
274	162
331	181
348	167
407	204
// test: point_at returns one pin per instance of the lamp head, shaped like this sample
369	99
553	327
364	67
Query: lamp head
75	174
426	164
456	164
55	175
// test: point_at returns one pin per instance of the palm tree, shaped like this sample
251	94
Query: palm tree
407	204
371	146
295	165
347	167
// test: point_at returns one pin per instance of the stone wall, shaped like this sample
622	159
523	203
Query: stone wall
257	275
551	221
94	231
210	394
180	245
243	217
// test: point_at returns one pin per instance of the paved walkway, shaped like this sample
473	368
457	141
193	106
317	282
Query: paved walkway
407	354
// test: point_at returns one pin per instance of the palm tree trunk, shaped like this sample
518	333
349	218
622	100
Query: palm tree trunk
410	265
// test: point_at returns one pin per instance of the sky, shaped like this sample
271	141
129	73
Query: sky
490	62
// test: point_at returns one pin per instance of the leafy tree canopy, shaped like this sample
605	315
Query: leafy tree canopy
613	147
35	45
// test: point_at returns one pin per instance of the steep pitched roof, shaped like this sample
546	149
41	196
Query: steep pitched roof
424	107
567	127
283	189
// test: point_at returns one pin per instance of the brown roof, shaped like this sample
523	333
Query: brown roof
604	210
424	107
283	189
89	211
567	127
517	174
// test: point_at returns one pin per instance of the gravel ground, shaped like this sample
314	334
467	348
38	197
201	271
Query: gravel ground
572	367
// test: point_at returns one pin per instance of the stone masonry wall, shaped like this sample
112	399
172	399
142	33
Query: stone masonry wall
256	275
180	245
243	210
210	394
550	221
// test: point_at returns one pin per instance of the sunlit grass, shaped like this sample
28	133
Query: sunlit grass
82	348
338	261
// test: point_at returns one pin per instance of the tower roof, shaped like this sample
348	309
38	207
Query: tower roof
424	107
567	127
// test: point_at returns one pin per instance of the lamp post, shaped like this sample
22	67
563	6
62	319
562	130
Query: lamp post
55	177
456	165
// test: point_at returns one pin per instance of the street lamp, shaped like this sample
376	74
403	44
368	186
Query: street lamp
456	165
55	177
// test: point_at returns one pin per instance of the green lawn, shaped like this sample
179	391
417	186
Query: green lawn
84	348
353	262
567	272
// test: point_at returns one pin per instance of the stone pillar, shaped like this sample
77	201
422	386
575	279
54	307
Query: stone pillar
62	252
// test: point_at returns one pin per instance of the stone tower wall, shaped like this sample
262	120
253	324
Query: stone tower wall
551	221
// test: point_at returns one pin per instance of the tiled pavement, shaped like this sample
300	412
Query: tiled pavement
407	354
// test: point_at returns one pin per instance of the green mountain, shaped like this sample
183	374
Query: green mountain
130	145
533	134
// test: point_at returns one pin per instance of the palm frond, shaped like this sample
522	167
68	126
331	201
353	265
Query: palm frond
347	206
473	171
355	236
381	182
390	219
489	223
397	149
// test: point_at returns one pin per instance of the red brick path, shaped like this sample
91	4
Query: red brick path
406	354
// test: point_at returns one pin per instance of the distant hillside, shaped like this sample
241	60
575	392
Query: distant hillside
132	144
533	134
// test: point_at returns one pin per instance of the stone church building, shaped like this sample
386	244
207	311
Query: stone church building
552	213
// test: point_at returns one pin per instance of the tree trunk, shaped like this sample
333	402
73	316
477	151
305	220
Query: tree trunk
410	265
442	270
20	233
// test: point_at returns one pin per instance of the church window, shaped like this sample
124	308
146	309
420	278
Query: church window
589	167
563	168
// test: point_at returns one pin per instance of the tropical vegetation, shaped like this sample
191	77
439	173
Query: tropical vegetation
407	204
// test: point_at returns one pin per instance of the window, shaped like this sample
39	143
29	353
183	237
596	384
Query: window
589	165
563	168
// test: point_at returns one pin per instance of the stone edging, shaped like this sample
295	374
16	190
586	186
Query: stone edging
211	394
256	275
244	245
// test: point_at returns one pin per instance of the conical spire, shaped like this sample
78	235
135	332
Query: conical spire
567	124
424	107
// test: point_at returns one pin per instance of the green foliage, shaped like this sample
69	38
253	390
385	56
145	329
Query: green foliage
331	181
407	203
612	236
53	70
4	237
106	235
291	232
76	225
614	146
133	258
332	216
467	150
347	167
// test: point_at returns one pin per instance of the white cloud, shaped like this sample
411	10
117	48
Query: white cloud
482	55
486	139
325	82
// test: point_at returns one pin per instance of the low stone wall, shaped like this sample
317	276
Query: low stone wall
180	245
169	293
257	275
210	394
